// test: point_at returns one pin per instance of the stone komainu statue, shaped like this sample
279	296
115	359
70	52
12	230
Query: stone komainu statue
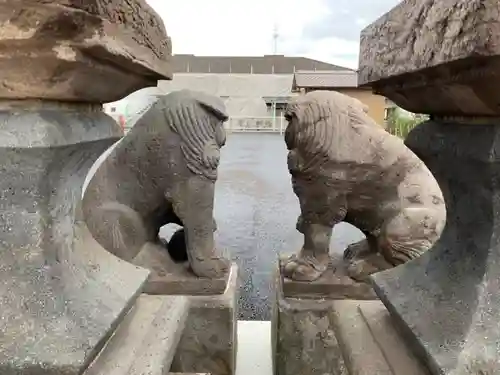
163	171
345	167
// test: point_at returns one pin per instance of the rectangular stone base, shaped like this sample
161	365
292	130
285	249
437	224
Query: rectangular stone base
209	341
169	278
333	284
337	337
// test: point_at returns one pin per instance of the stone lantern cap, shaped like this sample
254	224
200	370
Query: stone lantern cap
87	51
436	56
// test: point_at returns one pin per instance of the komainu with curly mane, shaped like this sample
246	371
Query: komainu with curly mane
163	171
345	167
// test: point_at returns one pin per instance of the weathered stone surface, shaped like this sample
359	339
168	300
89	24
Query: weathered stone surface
209	342
347	168
146	340
333	284
397	354
304	342
169	278
61	293
436	57
447	302
338	337
163	171
89	51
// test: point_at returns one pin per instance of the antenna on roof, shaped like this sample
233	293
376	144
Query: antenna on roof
276	35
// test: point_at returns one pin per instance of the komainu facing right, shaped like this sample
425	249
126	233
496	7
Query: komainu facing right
345	167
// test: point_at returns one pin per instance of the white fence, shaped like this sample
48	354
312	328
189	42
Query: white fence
234	124
256	124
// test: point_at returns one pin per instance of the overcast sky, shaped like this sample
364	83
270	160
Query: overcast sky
326	30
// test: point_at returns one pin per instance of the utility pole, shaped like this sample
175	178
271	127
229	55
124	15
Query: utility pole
275	39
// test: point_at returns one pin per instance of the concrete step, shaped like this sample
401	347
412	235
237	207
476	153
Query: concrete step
146	340
369	341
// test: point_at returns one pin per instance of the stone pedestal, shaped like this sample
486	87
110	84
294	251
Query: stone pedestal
209	342
169	278
62	295
325	336
441	58
447	302
334	284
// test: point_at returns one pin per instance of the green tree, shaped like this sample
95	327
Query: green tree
400	126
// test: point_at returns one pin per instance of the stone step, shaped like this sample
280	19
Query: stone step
146	340
369	341
362	355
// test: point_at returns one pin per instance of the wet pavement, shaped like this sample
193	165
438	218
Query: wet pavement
256	212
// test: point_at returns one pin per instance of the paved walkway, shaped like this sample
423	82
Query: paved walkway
256	211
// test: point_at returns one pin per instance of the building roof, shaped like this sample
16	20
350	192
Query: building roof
232	85
267	64
325	79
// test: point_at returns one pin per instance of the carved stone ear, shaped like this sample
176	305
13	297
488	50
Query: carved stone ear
359	104
212	104
220	113
220	136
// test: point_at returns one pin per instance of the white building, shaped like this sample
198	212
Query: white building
256	89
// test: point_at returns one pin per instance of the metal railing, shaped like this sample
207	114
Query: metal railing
256	124
261	124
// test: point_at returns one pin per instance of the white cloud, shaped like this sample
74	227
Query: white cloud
238	28
338	51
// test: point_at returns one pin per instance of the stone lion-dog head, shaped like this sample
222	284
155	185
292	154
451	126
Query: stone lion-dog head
317	121
198	120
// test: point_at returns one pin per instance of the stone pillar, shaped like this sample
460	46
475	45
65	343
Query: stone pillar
209	341
442	58
61	294
335	326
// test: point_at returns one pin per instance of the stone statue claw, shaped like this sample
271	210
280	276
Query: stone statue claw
305	267
212	268
358	250
361	269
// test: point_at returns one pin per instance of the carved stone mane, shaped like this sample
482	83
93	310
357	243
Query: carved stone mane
201	137
322	118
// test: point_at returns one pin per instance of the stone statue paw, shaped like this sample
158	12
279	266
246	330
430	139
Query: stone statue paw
361	269
358	250
305	267
212	268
